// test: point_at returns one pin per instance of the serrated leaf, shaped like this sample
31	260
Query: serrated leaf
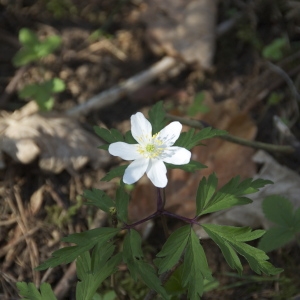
231	240
111	136
275	238
99	199
191	139
133	257
85	241
206	190
174	285
195	267
233	193
192	166
30	292
122	201
93	271
116	172
129	138
157	117
278	210
172	249
132	252
150	278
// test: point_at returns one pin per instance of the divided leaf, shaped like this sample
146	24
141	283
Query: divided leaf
191	139
99	199
172	249
84	241
195	267
231	241
133	257
30	292
157	117
122	200
280	211
115	172
110	136
275	238
233	193
93	271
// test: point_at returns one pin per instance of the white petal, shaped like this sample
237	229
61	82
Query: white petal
135	170
177	156
170	133
124	150
140	127
157	173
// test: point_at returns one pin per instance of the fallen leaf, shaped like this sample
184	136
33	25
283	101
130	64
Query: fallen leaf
57	141
182	28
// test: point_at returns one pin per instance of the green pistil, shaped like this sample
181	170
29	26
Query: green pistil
150	148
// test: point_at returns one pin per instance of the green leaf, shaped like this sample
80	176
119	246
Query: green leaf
231	241
275	238
49	45
58	85
157	117
85	241
30	292
231	194
24	56
129	138
174	285
275	50
197	106
133	257
191	139
132	251
122	201
27	37
93	271
278	210
111	136
192	166
195	267
116	172
150	278
99	199
172	249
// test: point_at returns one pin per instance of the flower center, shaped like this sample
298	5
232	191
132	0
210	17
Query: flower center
153	147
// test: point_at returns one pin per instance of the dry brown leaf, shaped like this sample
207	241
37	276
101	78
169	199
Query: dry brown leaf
58	141
184	28
286	183
224	158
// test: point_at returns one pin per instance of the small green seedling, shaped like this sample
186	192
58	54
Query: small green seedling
275	50
280	211
198	105
42	93
32	48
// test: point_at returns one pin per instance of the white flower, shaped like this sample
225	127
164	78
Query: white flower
151	151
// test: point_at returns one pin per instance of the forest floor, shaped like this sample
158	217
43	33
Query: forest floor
103	44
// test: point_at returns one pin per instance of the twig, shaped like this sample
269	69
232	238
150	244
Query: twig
132	84
112	95
237	140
